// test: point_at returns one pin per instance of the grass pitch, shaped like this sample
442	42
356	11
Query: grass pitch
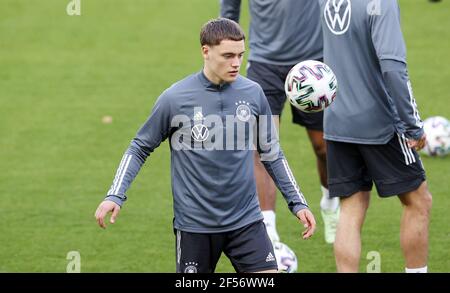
60	75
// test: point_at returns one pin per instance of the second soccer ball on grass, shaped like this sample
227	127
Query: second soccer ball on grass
437	129
286	258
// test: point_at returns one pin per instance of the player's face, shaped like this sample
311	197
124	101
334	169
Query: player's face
222	62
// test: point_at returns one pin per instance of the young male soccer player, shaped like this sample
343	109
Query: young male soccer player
283	33
208	117
373	128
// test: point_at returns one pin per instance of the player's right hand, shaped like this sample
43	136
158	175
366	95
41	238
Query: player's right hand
418	144
103	209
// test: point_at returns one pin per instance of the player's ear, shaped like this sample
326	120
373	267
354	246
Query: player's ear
205	51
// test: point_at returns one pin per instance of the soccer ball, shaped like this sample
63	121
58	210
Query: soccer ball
437	129
286	259
310	86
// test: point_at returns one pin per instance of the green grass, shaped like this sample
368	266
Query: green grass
60	75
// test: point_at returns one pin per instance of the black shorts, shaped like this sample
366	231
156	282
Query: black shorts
393	167
248	248
271	78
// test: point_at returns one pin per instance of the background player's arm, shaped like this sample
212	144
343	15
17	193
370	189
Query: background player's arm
390	47
277	166
150	135
230	9
397	81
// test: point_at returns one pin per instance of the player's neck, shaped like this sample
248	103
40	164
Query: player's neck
214	79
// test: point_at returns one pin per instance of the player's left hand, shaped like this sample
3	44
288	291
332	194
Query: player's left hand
104	208
307	218
418	144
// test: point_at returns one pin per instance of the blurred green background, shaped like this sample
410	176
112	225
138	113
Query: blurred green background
60	74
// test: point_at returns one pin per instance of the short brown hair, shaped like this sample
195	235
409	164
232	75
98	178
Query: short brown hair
216	30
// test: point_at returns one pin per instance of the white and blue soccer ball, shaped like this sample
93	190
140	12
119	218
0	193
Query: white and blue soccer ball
437	129
286	258
311	86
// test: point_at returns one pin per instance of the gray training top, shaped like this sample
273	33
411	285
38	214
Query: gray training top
364	46
211	153
282	32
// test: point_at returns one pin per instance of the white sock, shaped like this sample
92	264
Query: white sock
327	203
417	270
269	218
269	221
